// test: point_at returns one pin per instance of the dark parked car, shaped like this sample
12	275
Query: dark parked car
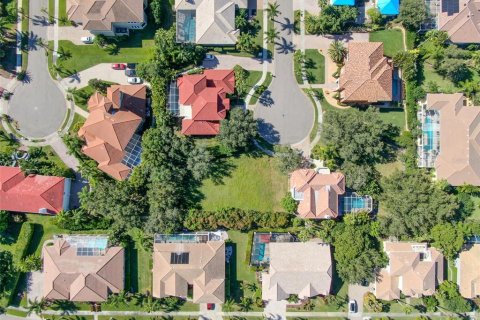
210	306
131	65
130	73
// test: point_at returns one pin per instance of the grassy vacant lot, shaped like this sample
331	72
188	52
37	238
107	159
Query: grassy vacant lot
391	38
429	75
250	181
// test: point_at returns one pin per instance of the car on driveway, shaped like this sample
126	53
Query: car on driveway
87	40
131	65
209	57
134	80
130	73
210	306
118	66
352	306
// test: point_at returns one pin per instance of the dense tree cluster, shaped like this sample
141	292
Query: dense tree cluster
237	131
450	298
332	19
355	141
414	204
412	14
357	253
248	32
6	265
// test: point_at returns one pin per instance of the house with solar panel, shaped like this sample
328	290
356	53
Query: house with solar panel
82	268
201	101
190	266
322	195
111	131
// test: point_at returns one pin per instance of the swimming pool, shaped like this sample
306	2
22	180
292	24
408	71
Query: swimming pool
428	129
353	202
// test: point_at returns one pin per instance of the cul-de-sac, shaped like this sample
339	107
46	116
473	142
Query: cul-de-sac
240	159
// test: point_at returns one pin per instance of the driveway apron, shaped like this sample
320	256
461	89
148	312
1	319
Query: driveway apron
38	105
284	112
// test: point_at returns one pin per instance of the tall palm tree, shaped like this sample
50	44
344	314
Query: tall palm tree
57	69
271	35
337	52
37	306
228	305
63	54
272	10
245	304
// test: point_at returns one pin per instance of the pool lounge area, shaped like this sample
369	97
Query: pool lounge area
428	144
260	246
197	237
352	202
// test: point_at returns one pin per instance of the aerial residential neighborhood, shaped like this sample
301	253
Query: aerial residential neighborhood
240	159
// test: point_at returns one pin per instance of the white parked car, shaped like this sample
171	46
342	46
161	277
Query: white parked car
209	57
87	40
134	80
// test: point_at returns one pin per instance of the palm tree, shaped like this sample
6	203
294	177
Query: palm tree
36	306
272	10
57	69
63	54
337	52
245	304
271	35
228	305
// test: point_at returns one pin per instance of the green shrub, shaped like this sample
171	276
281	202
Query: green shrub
236	219
23	241
289	204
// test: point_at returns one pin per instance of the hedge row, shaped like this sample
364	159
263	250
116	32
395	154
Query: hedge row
21	249
237	219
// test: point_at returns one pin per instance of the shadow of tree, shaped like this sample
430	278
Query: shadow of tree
268	131
285	46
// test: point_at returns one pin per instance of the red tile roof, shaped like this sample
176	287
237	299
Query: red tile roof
30	193
206	94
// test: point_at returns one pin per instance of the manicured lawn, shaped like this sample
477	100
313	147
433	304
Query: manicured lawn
476	212
451	271
266	83
314	131
260	34
62	11
52	156
17	313
240	240
391	38
6	145
395	116
250	181
82	96
444	84
25	28
77	122
253	77
315	66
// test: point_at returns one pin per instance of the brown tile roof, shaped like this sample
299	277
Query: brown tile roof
98	15
414	269
301	268
205	271
459	159
320	193
367	74
469	271
68	276
460	19
111	124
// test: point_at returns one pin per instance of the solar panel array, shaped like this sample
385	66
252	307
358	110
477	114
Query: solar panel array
179	258
91	252
133	150
172	105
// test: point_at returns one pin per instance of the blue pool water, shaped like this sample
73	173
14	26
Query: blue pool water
97	243
358	203
190	28
428	131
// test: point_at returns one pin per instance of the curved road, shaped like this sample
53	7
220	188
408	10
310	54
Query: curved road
37	104
285	113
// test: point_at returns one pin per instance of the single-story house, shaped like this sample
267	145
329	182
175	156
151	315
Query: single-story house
203	101
82	268
450	140
33	193
460	19
317	193
297	268
414	270
108	17
189	266
110	131
367	76
469	271
207	22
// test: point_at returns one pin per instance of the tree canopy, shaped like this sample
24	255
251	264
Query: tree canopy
412	13
414	204
237	131
6	265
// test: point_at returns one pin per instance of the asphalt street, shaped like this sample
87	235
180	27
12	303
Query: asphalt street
37	104
284	112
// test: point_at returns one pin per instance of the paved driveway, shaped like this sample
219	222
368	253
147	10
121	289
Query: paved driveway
37	105
356	292
102	71
223	61
323	42
285	113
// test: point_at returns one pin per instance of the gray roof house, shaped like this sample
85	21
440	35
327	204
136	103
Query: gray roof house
207	22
